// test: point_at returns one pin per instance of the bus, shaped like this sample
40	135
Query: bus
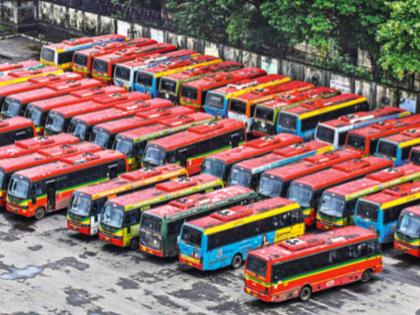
15	105
220	164
336	208
160	227
86	204
104	66
35	83
397	147
147	80
104	134
242	107
17	128
307	190
335	131
58	120
120	221
61	54
193	93
133	142
415	155
267	112
125	72
224	238
191	147
218	100
314	262
380	212
43	156
366	139
23	75
303	119
407	233
27	146
83	59
170	85
38	111
33	192
275	182
7	67
248	173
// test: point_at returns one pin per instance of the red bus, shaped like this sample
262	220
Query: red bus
38	111
248	173
275	182
15	105
58	120
35	83
22	75
27	146
219	164
366	139
307	190
191	147
44	156
415	155
298	267
133	142
193	94
170	85
103	66
83	59
17	128
35	191
6	67
104	134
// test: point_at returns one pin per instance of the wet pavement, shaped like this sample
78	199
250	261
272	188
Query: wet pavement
46	269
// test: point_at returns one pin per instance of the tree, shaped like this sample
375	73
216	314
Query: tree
400	36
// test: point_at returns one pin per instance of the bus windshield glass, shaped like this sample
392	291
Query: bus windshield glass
144	78
388	149
367	211
257	266
80	205
240	177
332	204
100	66
238	106
214	99
356	141
124	146
55	123
101	138
79	130
168	85
34	114
214	167
189	92
19	188
300	193
270	186
325	133
113	216
80	59
122	73
11	107
47	54
155	155
151	223
287	121
191	236
264	113
409	225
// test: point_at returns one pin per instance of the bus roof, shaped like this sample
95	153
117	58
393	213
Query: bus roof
239	214
68	164
178	207
73	43
393	193
176	64
14	123
157	57
113	46
309	244
25	73
101	116
203	70
144	107
9	66
413	209
409	136
343	170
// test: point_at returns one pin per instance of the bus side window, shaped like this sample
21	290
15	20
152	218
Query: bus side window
65	57
372	147
392	214
405	153
342	138
372	248
296	216
309	123
349	207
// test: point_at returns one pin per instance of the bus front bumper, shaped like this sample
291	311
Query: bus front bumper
151	251
114	240
23	211
407	248
79	227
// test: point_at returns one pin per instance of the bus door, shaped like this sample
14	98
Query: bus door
51	190
113	170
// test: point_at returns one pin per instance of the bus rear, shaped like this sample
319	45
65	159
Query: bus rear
14	129
407	233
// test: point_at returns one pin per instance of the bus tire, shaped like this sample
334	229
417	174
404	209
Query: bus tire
40	213
134	243
306	293
366	276
237	261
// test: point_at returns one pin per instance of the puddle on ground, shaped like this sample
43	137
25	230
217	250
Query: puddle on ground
21	273
24	227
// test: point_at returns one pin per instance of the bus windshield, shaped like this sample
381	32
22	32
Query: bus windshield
122	73
367	210
80	59
332	204
79	130
257	266
300	193
189	92
11	107
325	133
18	187
154	155
47	54
101	138
151	223
356	141
287	121
80	205
144	78
409	225
264	113
387	148
124	146
238	106
214	167
168	85
113	216
214	99
55	123
270	186
191	236
34	114
100	66
240	177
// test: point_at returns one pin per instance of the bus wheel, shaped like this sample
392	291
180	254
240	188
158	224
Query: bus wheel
237	261
40	213
305	294
134	244
366	276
